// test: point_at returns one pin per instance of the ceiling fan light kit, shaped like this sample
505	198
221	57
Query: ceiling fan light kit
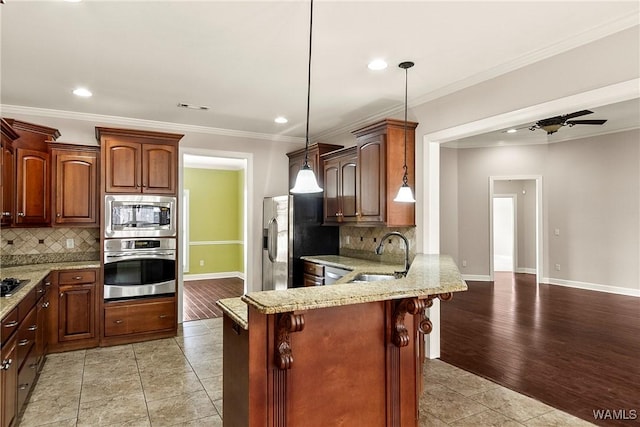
553	124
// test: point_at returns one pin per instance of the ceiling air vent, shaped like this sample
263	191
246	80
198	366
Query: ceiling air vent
193	107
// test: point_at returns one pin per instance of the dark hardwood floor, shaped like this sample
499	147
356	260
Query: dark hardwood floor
576	350
200	297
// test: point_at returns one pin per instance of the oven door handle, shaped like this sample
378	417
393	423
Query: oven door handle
127	256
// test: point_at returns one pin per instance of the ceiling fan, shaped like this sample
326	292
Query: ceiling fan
552	124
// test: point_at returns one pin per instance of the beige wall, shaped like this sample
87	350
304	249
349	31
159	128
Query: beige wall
590	193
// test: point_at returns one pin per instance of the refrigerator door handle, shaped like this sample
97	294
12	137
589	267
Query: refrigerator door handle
272	244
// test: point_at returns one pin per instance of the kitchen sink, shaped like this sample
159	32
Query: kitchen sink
363	277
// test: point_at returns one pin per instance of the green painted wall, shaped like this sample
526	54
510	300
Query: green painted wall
216	206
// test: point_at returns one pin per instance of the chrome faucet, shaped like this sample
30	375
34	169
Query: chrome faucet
380	249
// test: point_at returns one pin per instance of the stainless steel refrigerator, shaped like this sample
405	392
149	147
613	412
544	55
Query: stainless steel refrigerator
292	227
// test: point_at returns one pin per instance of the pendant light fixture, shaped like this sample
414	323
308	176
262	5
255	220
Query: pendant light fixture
306	180
405	195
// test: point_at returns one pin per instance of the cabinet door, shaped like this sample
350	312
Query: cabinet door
331	191
159	165
9	382
8	185
75	187
123	166
76	312
371	179
348	189
33	196
42	339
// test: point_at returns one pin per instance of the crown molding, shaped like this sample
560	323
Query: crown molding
153	124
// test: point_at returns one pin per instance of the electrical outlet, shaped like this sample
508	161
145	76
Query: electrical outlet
556	231
347	240
201	262
70	243
464	262
557	267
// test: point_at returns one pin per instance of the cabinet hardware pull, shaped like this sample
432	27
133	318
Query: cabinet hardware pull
162	316
58	215
6	364
21	214
61	294
23	386
6	213
118	321
22	343
40	290
77	277
32	328
46	304
33	366
11	324
47	283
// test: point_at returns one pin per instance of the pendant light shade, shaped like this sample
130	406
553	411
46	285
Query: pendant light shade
306	180
405	195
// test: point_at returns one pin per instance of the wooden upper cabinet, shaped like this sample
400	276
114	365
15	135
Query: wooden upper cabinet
340	192
32	187
380	160
296	161
7	174
31	190
139	161
75	185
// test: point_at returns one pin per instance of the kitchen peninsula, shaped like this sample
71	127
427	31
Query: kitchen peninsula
349	354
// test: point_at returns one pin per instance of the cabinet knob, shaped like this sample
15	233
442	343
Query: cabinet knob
163	316
118	321
77	278
21	214
47	284
58	215
61	294
6	364
23	386
46	304
6	213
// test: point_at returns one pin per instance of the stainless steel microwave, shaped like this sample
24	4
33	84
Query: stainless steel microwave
139	216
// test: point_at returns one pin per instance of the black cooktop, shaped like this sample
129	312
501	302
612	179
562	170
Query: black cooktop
10	286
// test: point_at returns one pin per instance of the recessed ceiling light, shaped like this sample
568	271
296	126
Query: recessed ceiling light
73	1
83	92
377	64
280	120
192	106
512	131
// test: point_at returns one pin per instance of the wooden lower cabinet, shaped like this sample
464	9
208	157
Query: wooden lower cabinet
9	382
353	365
73	311
135	319
313	274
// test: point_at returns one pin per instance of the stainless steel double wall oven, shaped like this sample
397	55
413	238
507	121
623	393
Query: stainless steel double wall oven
139	246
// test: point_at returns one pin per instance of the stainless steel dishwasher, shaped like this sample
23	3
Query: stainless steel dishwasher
333	274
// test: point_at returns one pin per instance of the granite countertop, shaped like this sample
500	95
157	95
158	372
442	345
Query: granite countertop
236	309
35	273
428	275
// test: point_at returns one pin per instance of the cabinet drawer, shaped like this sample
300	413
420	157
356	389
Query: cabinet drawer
9	324
313	269
26	304
26	336
139	317
310	280
27	377
78	276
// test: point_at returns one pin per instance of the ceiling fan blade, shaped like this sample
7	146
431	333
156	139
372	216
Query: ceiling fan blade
586	122
577	114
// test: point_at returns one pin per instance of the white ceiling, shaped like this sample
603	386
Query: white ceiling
247	60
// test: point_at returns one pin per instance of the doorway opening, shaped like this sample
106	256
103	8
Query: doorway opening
515	221
214	235
504	232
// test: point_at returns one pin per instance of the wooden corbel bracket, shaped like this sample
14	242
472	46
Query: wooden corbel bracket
286	323
425	325
400	336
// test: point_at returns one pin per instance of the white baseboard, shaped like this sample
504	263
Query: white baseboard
592	286
207	276
476	277
526	270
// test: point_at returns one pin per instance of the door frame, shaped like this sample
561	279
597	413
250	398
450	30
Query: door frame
539	220
514	252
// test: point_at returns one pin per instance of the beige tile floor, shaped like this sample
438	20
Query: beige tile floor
178	381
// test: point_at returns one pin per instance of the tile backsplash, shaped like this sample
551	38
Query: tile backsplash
361	242
22	246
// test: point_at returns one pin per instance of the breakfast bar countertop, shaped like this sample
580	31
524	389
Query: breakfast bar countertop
428	275
35	273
